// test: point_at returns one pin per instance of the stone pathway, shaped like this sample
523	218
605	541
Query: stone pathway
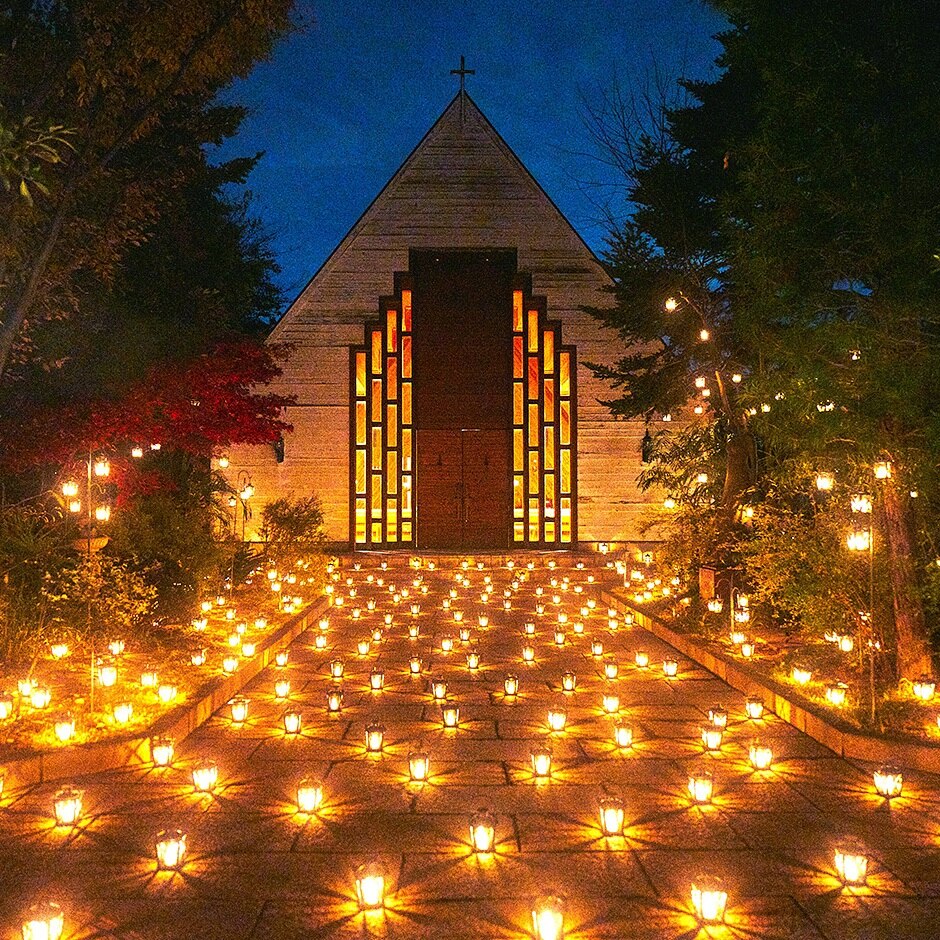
256	868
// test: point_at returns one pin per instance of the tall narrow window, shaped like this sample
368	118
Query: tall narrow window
381	459
544	418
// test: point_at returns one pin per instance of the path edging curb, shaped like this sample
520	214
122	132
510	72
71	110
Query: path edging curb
70	762
844	742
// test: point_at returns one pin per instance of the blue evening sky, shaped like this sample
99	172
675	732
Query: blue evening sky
340	105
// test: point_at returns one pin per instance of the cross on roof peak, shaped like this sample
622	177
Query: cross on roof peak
463	72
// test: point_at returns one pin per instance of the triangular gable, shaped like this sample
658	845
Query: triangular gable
461	187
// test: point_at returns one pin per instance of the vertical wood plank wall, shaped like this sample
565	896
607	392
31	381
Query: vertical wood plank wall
461	188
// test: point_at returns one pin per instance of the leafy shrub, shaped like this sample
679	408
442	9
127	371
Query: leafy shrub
292	528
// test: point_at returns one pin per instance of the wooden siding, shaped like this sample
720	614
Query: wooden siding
462	187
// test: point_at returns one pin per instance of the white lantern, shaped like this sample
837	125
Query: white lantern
370	886
612	816
67	806
709	900
701	786
548	919
309	795
44	921
205	775
170	849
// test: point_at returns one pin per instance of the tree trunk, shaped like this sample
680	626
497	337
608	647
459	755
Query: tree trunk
913	647
739	467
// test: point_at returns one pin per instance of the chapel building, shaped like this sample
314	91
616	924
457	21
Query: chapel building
442	401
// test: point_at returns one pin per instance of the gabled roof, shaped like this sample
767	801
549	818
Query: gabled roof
461	187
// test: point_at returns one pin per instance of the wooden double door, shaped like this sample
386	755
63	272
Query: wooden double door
463	488
463	398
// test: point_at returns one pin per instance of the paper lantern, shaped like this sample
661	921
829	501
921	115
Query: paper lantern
292	720
67	806
754	708
375	738
44	921
718	716
161	751
747	649
541	760
483	831
761	755
414	630
64	727
239	709
205	775
701	786
851	865
170	849
623	734
548	919
557	718
711	737
370	886
709	899
611	816
889	782
309	795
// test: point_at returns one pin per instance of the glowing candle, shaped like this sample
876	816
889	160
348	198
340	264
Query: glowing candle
709	900
761	755
229	664
718	716
64	727
889	781
483	831
292	721
611	815
123	712
419	766
701	786
161	751
239	709
309	795
557	718
170	848
711	737
851	865
370	886
559	638
375	738
541	759
198	657
548	919
754	708
67	806
205	775
623	734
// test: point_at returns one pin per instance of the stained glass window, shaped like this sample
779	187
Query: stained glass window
543	427
381	463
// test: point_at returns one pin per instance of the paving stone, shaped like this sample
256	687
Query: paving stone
257	869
